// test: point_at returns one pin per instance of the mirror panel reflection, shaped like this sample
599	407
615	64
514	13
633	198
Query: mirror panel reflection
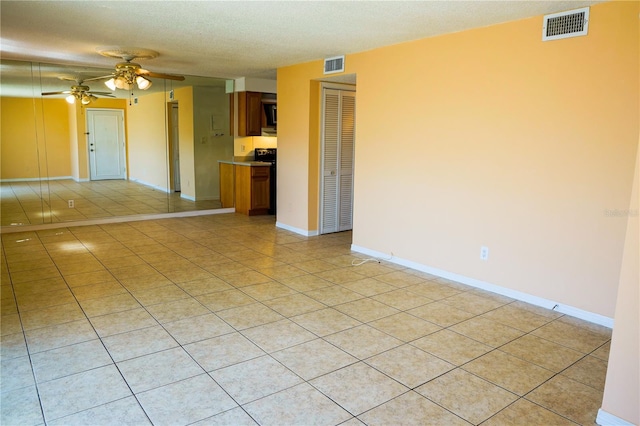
103	153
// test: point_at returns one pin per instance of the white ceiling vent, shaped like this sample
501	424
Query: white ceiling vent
572	23
333	65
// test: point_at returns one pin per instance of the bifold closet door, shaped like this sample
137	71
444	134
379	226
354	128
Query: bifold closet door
338	137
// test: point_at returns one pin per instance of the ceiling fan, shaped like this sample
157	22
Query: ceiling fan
128	73
79	91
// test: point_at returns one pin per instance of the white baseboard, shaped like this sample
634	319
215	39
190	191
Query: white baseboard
114	219
514	294
585	315
187	197
608	419
212	198
37	179
150	185
296	230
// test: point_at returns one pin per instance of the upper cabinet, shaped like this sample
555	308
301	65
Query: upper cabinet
252	114
249	114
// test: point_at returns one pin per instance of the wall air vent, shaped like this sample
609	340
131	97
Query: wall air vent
333	65
572	23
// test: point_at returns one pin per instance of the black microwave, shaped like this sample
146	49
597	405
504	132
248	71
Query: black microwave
271	112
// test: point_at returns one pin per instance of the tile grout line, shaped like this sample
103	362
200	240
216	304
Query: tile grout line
288	317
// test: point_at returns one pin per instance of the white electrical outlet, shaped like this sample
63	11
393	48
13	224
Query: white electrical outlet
72	204
243	148
484	253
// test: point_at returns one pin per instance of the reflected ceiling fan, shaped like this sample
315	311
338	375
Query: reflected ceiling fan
128	73
79	91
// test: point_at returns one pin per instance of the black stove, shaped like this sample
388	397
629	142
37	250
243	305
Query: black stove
268	155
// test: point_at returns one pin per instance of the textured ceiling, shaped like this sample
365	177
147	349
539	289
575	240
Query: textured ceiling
231	39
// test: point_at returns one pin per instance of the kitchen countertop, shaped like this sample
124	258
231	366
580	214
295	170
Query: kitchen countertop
246	163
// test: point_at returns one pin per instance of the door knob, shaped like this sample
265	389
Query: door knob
92	150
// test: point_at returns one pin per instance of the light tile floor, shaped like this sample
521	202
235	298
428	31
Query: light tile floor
38	202
227	320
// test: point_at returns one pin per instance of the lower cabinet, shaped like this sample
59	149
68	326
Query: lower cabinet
260	189
251	188
226	185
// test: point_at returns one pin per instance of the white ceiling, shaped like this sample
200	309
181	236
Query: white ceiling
231	39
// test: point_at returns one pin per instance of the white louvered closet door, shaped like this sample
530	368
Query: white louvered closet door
339	108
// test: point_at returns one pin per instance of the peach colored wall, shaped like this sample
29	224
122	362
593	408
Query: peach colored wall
487	137
294	141
184	96
622	387
74	142
56	139
147	141
35	138
62	143
315	135
19	144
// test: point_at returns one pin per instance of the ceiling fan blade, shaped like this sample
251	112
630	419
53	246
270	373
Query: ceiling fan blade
148	73
99	78
105	94
66	92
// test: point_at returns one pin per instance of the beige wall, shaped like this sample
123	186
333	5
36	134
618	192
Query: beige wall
250	143
147	141
213	141
488	137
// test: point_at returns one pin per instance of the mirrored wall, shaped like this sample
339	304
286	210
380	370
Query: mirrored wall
103	153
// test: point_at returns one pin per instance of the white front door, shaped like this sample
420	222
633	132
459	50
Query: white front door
106	144
338	139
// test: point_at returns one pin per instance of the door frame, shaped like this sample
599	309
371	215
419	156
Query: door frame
346	88
173	147
123	152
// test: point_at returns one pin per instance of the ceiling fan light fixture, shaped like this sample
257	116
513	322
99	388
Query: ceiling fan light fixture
143	83
111	83
122	83
86	100
71	99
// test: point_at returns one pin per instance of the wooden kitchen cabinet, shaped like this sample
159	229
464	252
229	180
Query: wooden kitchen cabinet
227	194
252	189
250	114
260	188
